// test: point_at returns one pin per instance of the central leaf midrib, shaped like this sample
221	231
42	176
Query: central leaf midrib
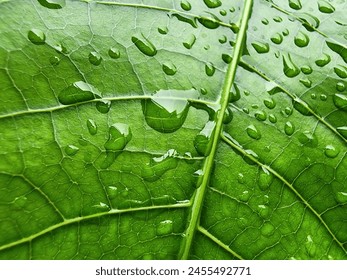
194	217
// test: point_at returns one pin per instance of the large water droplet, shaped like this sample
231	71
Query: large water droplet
185	5
277	38
307	138
343	131
209	69
159	165
114	52
165	227
339	49
261	47
213	3
301	39
169	68
119	136
260	115
253	132
289	128
306	69
267	229
324	60
340	101
341	71
289	68
325	7
167	110
330	151
309	22
340	86
302	107
211	22
78	92
270	103
92	127
202	141
71	150
95	58
36	36
295	4
341	197
265	179
144	45
189	42
190	20
103	106
52	4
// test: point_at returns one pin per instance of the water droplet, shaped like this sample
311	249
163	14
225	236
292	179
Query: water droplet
203	91
270	103
202	141
340	101
245	110
313	96
119	136
95	58
211	22
235	93
285	32
114	52
301	40
267	229
295	4
92	128
309	22
265	21
277	38
54	60
71	150
159	165
78	92
223	39
261	47
288	111
228	116
52	4
60	48
245	196
264	211
165	227
306	69
324	60
341	71
185	5
19	202
36	36
240	178
253	132
289	68
277	19
103	106
163	30
341	197
209	69
213	3
339	49
308	139
306	82
226	58
190	42
302	107
169	68
260	115
323	97
272	118
343	131
144	45
325	7
289	128
265	179
330	151
340	86
223	13
165	112
189	20
311	248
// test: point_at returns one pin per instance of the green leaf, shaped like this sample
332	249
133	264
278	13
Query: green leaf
160	129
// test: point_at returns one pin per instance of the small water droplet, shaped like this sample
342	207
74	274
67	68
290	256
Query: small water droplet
119	136
341	197
103	106
265	21
343	131
60	48
277	38
340	101
245	110
313	96
340	86
223	39
265	179
211	22
285	32
277	19
260	115
323	97
165	227
288	111
270	103
213	3
261	47
324	60
228	116
223	13
289	68
253	132
311	248
295	4
190	42
203	91
71	150
52	4
169	68
263	211
240	178
202	141
306	82
245	196
185	5
144	45
163	30
272	118
330	151
114	52
309	21
302	107
306	69
95	58
92	127
54	60
267	229
19	202
226	58
325	7
78	92
36	36
301	39
235	93
341	71
308	139
289	128
209	69
159	165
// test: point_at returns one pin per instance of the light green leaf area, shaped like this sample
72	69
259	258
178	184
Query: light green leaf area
166	129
